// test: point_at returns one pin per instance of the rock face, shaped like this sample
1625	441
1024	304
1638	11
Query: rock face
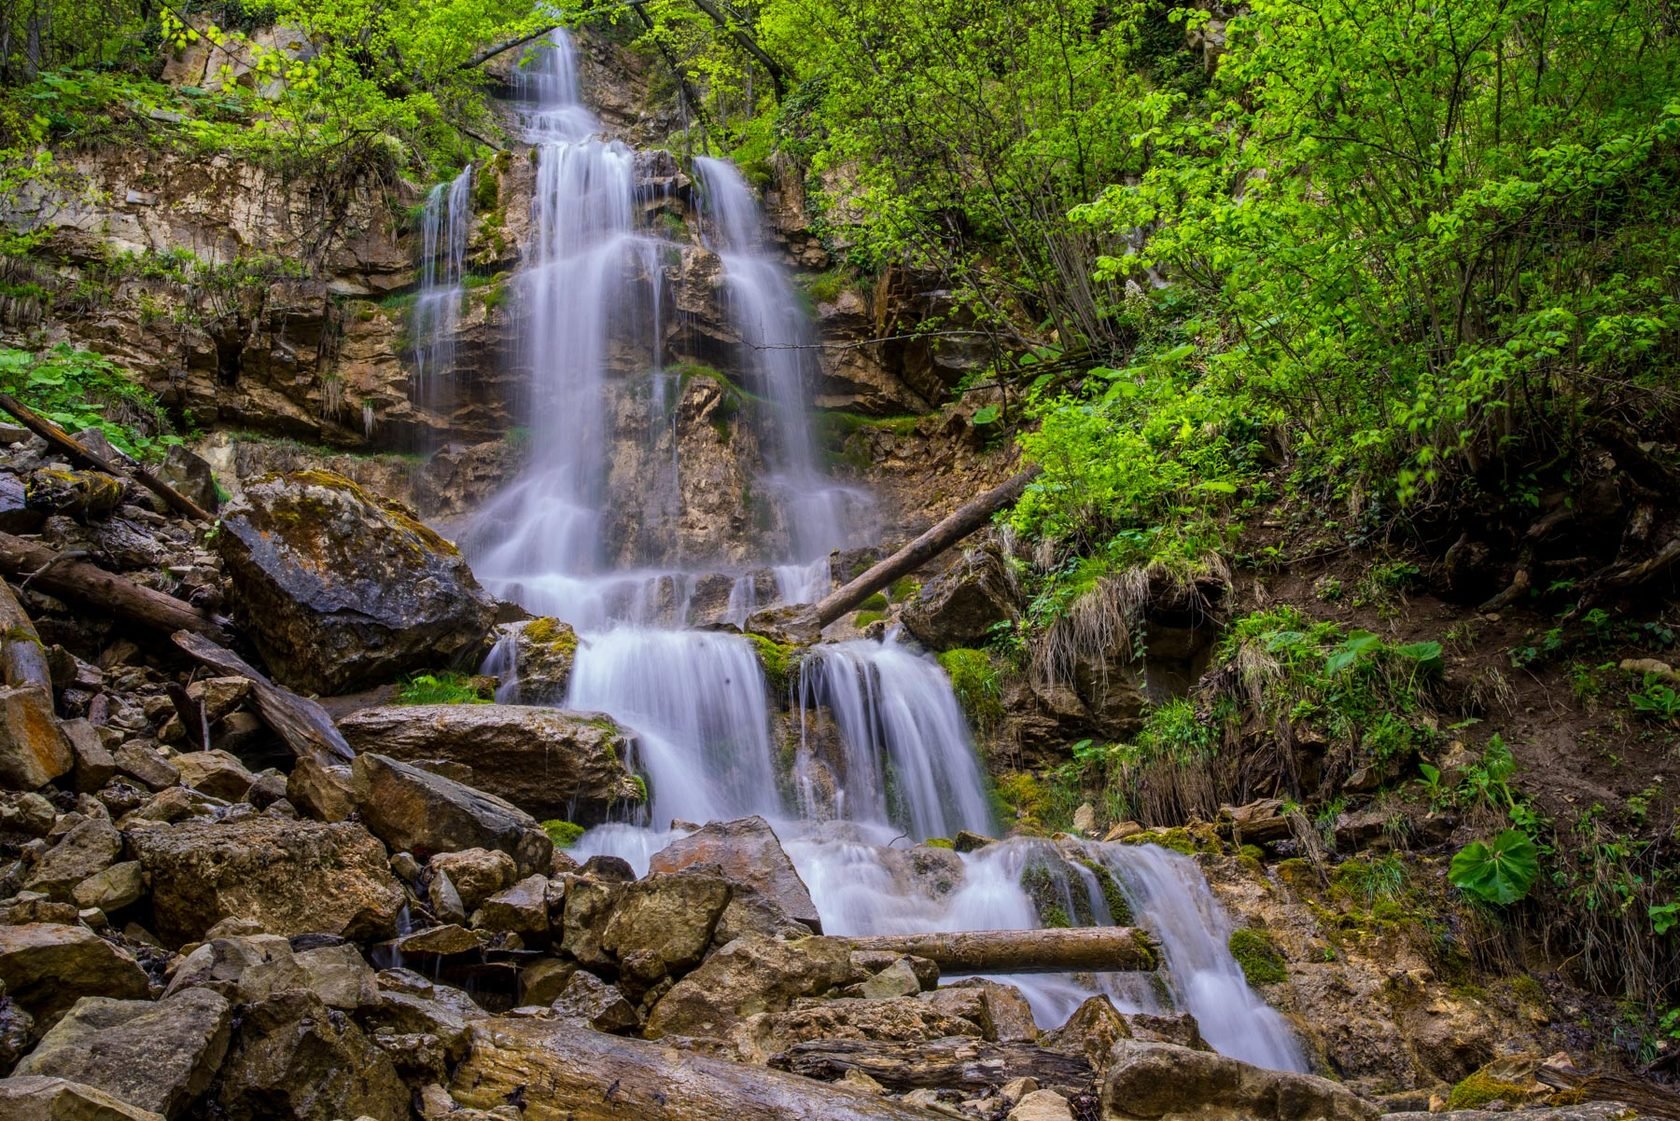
419	812
541	653
339	591
1164	1082
34	1097
47	967
159	1056
550	764
960	606
290	877
747	854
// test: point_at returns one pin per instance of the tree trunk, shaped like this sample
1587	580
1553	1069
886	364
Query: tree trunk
62	575
303	724
58	438
958	1062
558	1070
945	533
1098	949
23	659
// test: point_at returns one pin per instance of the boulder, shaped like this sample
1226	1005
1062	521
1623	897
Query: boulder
1151	1081
157	1055
190	474
291	877
749	855
1001	1010
535	664
661	926
1260	822
521	909
1041	1105
47	967
217	773
602	1006
416	811
293	1059
409	1004
893	1020
549	763
247	968
1090	1033
90	847
92	763
87	496
322	791
33	751
33	1097
340	591
748	976
960	606
139	759
475	874
111	889
543	980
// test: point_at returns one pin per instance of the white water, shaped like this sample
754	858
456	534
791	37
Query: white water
437	305
880	756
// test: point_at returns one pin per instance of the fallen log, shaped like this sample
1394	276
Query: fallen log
301	722
556	1070
944	533
1095	949
958	1062
23	659
72	447
65	576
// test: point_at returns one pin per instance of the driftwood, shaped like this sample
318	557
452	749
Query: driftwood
72	447
1097	949
944	533
23	659
557	1070
63	575
302	723
958	1062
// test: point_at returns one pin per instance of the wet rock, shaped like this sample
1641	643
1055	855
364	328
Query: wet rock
748	976
216	773
247	968
159	1056
320	790
542	981
1090	1033
190	474
292	877
893	1020
747	853
445	940
543	650
445	900
522	909
1178	1028
426	814
47	967
661	926
409	1004
91	763
1161	1081
962	605
140	760
550	764
25	815
1586	1111
33	751
340	591
1001	1010
33	1097
111	889
611	869
294	1059
1042	1105
476	874
897	979
602	1006
86	496
87	849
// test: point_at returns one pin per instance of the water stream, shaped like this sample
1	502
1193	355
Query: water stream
444	225
877	755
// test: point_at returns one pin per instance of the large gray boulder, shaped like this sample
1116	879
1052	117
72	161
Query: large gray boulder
551	764
34	1097
157	1055
960	606
748	854
33	751
290	877
1165	1082
293	1059
419	812
340	591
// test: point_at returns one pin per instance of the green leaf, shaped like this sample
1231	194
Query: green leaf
1498	871
1427	655
1358	645
986	414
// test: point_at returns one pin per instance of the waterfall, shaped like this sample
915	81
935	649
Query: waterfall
437	306
879	756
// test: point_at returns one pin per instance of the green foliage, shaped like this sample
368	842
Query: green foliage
564	834
1656	700
442	689
1479	1089
78	389
780	663
1498	871
1261	963
975	682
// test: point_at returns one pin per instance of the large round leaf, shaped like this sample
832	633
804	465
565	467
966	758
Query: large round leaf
1497	871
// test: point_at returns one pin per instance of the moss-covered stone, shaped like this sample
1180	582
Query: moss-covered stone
564	834
780	661
1119	907
1481	1088
1259	958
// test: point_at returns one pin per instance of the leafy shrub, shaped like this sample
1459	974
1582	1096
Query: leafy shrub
441	689
975	682
77	389
1498	871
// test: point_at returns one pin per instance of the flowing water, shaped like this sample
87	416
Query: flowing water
876	755
437	306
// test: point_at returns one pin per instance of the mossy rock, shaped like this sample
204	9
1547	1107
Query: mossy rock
1260	960
564	834
1481	1088
1119	907
779	661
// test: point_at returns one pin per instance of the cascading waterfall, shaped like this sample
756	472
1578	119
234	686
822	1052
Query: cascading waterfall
882	752
437	305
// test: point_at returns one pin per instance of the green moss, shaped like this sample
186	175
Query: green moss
486	190
1178	839
641	786
564	834
442	689
1119	907
779	662
864	618
1261	963
824	287
939	843
876	602
974	680
1479	1089
904	589
1020	796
